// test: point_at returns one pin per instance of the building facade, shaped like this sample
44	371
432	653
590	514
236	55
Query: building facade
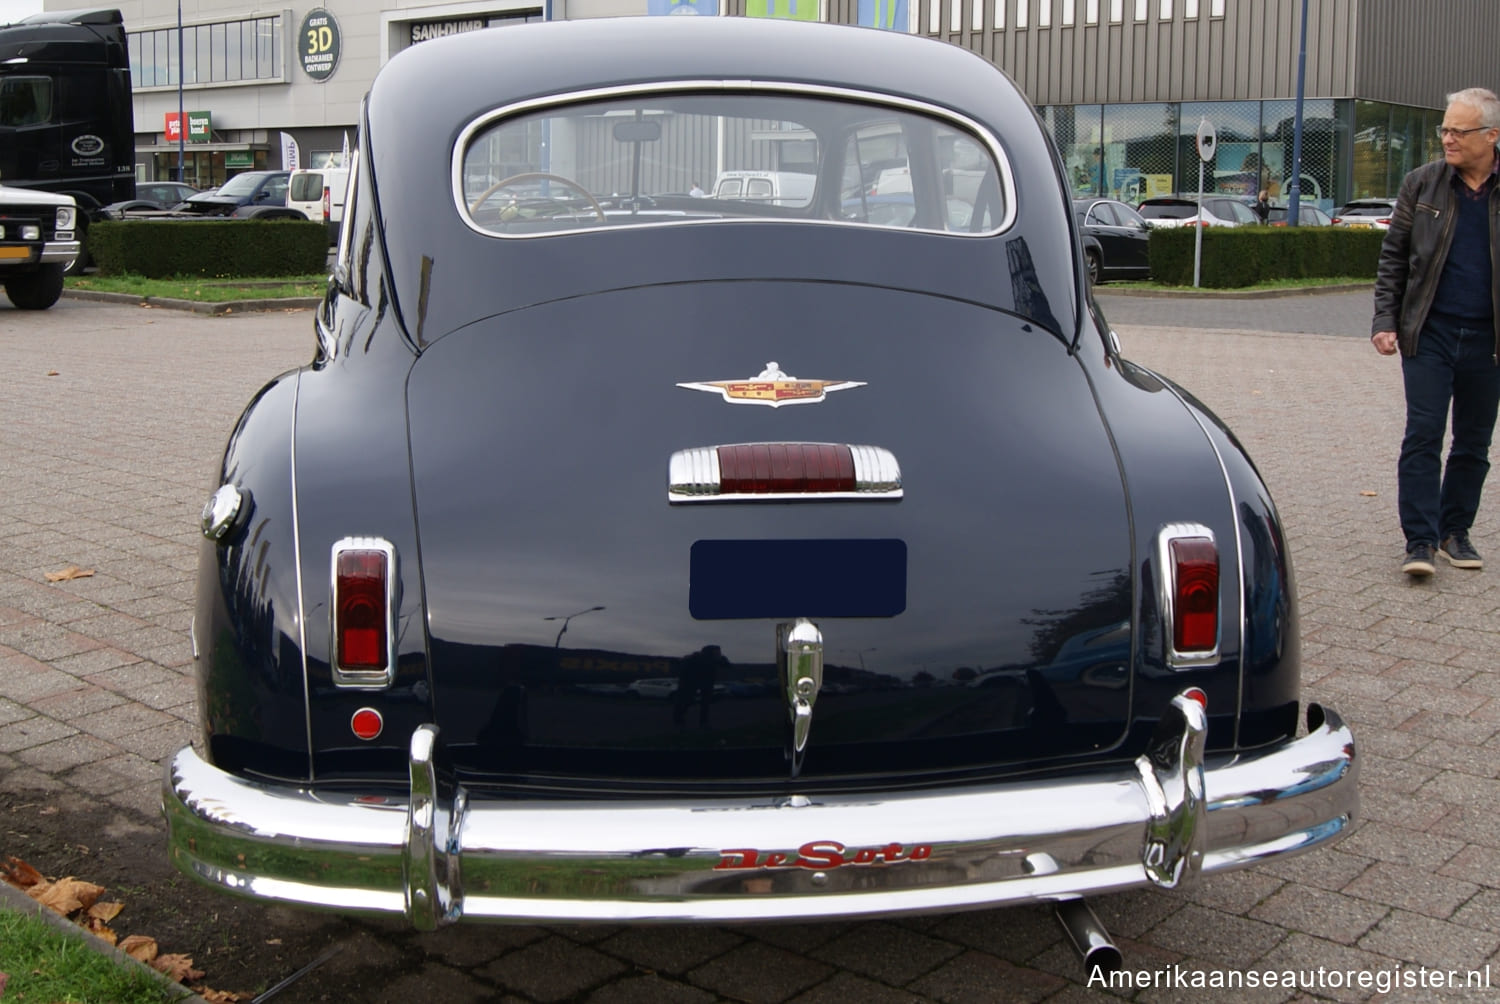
1123	85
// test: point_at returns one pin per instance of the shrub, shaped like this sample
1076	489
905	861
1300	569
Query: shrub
218	248
1243	256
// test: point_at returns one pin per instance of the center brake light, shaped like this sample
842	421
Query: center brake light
363	639
1189	562
761	472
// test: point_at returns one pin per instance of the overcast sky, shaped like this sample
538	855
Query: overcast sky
10	10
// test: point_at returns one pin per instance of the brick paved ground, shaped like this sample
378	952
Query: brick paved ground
111	419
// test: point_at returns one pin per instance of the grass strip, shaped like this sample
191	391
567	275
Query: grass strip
46	966
203	290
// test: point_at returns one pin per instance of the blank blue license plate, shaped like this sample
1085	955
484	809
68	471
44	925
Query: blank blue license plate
738	579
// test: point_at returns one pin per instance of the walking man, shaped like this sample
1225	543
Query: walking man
1437	301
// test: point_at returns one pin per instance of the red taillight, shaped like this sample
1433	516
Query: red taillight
327	203
360	590
1338	219
1195	577
761	468
366	723
1197	696
1386	221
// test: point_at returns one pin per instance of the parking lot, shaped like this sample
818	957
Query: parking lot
112	417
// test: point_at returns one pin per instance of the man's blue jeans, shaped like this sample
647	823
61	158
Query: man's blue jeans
1454	363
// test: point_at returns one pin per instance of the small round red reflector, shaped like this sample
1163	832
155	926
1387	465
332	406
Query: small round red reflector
367	723
1197	696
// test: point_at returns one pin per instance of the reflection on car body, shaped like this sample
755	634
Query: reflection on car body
1116	240
549	386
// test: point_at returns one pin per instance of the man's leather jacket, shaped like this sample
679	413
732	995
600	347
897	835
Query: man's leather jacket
1415	250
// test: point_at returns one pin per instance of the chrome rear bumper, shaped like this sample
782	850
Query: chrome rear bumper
436	860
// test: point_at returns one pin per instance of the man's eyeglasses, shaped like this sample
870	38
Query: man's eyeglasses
1445	131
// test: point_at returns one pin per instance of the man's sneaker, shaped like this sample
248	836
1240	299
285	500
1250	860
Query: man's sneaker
1459	552
1418	563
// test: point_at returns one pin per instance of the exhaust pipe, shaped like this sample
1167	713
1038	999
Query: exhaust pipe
1088	937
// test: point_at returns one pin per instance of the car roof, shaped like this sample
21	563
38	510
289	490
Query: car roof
480	73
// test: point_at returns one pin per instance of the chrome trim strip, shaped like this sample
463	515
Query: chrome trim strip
648	861
799	657
1166	593
60	251
798	88
301	597
693	475
363	679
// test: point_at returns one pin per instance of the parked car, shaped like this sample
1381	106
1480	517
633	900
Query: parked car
1116	240
1167	211
151	197
257	195
525	403
1366	213
1307	216
318	194
38	244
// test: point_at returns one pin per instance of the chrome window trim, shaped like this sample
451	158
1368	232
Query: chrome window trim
1167	592
798	89
363	679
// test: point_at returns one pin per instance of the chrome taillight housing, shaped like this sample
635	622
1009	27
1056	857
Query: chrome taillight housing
362	648
1188	559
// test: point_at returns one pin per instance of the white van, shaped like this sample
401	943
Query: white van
319	194
781	188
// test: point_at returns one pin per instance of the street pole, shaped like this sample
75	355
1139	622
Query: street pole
1198	226
1294	193
181	120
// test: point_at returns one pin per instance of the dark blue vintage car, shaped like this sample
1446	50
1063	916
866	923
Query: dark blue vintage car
627	555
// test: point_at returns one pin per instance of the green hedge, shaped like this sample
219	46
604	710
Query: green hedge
1242	256
217	248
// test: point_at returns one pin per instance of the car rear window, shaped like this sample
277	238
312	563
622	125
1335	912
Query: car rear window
663	158
1168	210
307	187
1366	209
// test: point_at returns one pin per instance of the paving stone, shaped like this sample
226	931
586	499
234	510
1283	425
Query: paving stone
1397	886
1016	934
1385	842
32	732
1216	937
470	945
978	978
759	973
672	950
67	752
1423	941
552	969
886	952
843	987
650	988
1318	912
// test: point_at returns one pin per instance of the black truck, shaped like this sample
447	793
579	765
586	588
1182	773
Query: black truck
66	122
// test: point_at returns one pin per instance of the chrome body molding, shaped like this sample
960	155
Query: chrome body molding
694	475
435	858
800	660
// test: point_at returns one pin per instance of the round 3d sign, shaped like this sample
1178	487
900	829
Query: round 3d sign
318	44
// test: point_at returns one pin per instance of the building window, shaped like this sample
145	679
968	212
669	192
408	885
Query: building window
1117	10
1189	9
1140	10
977	16
1067	13
1216	8
1021	12
1044	14
224	52
1091	11
1166	10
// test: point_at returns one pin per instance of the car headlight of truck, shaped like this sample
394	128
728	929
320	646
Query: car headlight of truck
65	217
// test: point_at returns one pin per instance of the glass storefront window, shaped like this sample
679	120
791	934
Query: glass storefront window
1372	142
1242	165
1139	151
1324	134
1077	131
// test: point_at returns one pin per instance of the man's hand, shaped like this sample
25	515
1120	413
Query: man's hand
1384	342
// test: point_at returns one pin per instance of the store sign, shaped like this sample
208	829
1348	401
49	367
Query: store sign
238	158
319	44
424	31
200	127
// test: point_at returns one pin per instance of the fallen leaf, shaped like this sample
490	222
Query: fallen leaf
52	373
105	912
19	874
71	572
139	947
1369	494
3	978
178	967
273	941
67	895
218	996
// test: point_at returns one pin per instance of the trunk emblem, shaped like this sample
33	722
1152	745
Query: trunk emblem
773	388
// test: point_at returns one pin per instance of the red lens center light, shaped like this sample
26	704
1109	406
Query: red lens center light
761	468
360	589
1195	562
366	723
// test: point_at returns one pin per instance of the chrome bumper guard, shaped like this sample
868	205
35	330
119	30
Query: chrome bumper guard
436	860
60	252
